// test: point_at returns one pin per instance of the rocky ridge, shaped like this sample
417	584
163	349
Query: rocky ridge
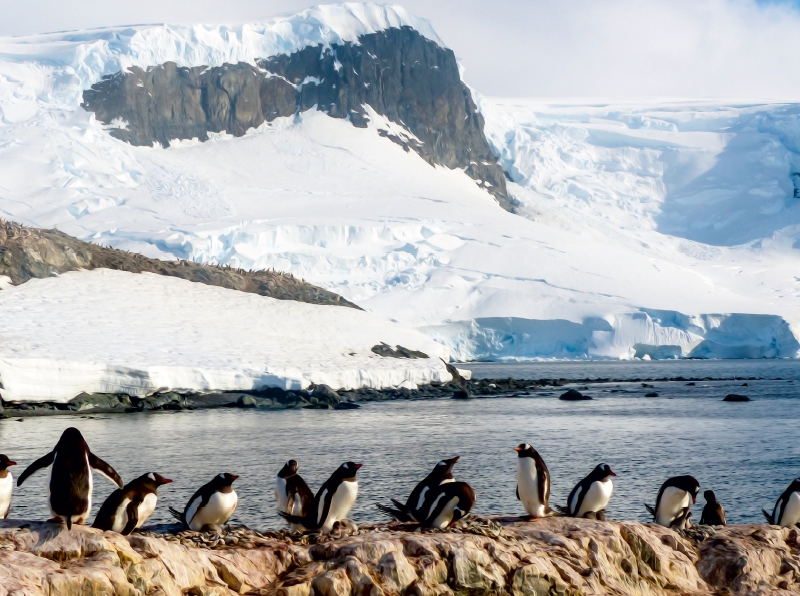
555	556
28	253
400	74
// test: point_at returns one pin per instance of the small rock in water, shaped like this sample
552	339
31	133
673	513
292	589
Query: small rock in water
646	385
735	397
247	401
692	384
461	395
651	394
346	405
573	395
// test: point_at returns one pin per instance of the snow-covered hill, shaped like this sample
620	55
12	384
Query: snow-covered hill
657	230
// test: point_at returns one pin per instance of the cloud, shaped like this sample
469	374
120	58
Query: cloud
537	48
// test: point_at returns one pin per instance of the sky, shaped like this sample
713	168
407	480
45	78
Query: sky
743	49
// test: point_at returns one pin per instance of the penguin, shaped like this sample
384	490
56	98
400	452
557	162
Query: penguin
787	509
211	506
713	513
128	508
674	502
71	477
533	481
6	485
451	501
418	504
292	492
591	495
333	501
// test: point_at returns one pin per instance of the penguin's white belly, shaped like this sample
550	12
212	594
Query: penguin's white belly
146	508
528	487
6	487
673	502
121	516
216	512
791	512
280	495
597	497
446	516
341	503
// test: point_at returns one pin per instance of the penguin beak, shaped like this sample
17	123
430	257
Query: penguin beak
165	480
517	449
456	458
694	499
11	463
358	466
234	477
610	473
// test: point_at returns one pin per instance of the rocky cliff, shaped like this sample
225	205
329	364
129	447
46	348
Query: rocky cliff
556	556
398	73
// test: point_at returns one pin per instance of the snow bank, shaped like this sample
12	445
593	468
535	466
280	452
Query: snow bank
116	332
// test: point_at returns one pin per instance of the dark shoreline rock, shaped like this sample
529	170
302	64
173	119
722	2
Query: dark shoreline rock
573	395
736	398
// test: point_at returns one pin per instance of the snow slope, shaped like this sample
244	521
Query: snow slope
647	230
116	332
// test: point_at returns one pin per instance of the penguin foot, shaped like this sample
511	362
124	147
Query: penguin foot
211	528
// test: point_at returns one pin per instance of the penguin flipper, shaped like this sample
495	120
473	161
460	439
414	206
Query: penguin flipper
650	509
178	515
395	513
106	470
562	510
767	516
518	499
42	462
133	516
296	519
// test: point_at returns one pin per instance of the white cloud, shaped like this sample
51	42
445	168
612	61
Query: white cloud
555	48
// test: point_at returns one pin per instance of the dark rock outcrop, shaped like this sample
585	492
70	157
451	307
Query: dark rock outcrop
399	73
28	253
735	397
573	395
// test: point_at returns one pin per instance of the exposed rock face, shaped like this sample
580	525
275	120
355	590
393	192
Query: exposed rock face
27	253
546	557
400	74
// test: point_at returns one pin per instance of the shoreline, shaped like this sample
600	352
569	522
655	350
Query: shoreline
320	397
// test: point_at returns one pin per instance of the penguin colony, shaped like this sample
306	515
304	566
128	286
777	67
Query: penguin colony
438	501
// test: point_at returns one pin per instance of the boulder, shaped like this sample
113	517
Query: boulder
736	397
325	394
573	395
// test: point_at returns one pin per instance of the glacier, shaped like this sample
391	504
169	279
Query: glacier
649	229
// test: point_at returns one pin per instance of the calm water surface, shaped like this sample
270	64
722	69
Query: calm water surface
746	452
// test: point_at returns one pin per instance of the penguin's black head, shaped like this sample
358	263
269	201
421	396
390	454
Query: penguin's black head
603	471
348	469
225	479
709	496
158	479
687	483
5	462
288	469
72	438
525	450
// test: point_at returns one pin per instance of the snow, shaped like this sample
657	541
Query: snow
651	229
109	331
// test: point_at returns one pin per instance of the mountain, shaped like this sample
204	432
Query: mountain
621	230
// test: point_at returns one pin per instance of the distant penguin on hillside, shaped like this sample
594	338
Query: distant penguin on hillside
787	508
211	506
418	504
713	513
533	481
128	508
450	502
333	501
71	477
674	502
6	485
292	493
591	495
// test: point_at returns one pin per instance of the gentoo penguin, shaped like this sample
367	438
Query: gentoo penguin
787	508
211	506
713	513
418	504
6	485
533	481
71	477
292	493
128	508
674	502
591	495
333	501
450	502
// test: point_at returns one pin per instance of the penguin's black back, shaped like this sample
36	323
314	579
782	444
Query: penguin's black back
69	476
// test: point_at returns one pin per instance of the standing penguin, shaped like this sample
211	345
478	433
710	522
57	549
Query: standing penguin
674	502
292	493
71	477
451	501
6	485
533	481
333	501
591	495
418	504
787	509
211	506
128	508
713	513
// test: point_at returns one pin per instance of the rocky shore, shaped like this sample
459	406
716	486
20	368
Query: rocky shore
555	556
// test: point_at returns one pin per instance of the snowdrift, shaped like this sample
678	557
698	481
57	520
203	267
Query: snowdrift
107	331
667	229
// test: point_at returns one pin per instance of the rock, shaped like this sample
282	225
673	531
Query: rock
325	394
573	395
651	394
736	397
461	394
93	401
346	405
387	351
692	384
247	401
